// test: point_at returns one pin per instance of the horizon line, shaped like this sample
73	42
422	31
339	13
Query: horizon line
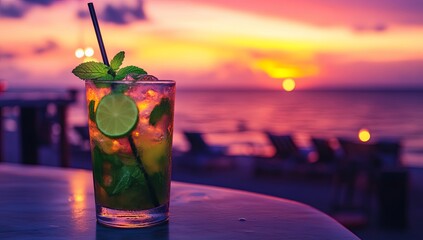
317	89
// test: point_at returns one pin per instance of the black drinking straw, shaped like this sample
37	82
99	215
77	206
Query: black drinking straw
130	139
98	33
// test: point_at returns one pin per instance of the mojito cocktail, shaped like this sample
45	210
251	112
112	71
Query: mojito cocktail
131	127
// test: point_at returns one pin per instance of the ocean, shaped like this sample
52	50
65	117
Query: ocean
238	119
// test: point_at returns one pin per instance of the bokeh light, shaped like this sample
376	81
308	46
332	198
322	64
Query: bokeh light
364	135
79	53
89	52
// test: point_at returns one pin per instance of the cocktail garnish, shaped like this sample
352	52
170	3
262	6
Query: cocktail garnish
100	71
116	115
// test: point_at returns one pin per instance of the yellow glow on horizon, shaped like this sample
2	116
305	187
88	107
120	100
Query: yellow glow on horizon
278	70
364	135
284	72
177	55
288	85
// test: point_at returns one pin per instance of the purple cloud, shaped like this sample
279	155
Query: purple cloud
123	15
48	46
83	14
7	55
40	2
377	28
19	8
12	11
119	14
114	14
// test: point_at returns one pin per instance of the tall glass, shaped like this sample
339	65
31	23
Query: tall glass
132	167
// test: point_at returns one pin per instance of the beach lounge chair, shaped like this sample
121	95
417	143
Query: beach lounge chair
389	152
201	155
393	185
287	157
285	147
325	153
198	145
83	133
354	183
326	156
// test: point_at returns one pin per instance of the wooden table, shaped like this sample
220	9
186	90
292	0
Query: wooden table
33	105
39	202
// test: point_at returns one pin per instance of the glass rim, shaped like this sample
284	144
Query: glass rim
132	82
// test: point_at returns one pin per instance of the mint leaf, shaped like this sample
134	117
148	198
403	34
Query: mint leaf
107	77
121	88
122	176
137	175
124	179
160	180
121	74
163	108
91	113
97	165
90	70
117	60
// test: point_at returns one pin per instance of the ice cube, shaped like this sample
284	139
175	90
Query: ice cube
147	77
158	135
151	95
139	77
132	77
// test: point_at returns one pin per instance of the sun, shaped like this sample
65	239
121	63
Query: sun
288	84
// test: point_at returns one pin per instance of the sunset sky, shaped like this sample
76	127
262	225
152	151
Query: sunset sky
220	43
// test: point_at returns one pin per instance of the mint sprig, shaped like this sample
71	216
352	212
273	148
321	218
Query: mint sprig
91	109
107	77
90	70
100	71
161	109
123	72
117	60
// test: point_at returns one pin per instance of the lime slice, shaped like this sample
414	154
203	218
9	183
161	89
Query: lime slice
116	115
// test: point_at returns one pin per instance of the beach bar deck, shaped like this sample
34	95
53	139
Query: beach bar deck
35	124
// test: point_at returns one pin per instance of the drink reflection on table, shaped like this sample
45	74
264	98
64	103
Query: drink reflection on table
159	232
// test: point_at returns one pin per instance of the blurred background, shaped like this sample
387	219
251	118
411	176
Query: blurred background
310	70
